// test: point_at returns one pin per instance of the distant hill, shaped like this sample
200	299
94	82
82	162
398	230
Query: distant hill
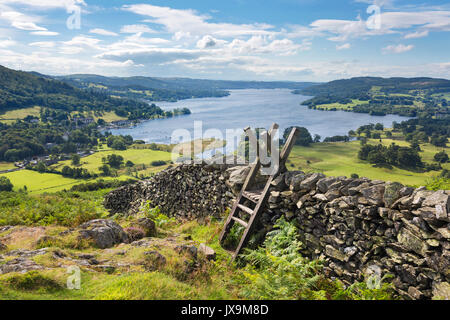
20	89
363	85
181	83
380	96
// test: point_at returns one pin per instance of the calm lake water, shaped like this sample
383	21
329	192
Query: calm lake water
254	108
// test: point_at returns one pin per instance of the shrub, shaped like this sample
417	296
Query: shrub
161	220
64	209
5	184
278	271
135	233
33	280
158	163
441	157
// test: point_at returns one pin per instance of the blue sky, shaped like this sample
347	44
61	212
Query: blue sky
303	40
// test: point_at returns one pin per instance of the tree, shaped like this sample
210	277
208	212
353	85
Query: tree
441	157
41	167
376	135
379	127
317	138
303	138
5	184
105	169
439	141
114	161
76	159
409	158
415	145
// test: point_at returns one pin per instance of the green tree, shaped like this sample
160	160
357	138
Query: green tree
129	164
76	159
105	170
5	184
114	161
119	145
303	138
41	167
441	157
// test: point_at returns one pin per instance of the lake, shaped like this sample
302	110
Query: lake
254	108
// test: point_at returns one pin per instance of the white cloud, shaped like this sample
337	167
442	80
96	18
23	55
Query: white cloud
263	45
103	32
70	50
188	21
417	34
21	21
391	22
82	41
43	44
7	43
400	48
46	4
343	46
206	42
150	55
136	28
44	33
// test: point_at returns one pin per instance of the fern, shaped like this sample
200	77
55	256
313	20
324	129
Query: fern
278	271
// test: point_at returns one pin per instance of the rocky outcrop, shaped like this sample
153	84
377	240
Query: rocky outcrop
353	225
148	226
21	265
105	233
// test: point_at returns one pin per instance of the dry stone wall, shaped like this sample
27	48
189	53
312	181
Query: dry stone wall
184	191
357	226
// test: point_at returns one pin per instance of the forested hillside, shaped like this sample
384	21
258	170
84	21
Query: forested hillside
169	89
182	83
355	87
381	96
22	90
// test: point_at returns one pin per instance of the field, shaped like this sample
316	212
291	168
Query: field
107	116
137	156
6	166
341	159
11	116
141	156
340	106
37	183
40	182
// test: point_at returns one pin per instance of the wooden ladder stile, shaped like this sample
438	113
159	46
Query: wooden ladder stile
259	198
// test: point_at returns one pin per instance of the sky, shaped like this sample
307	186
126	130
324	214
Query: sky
295	40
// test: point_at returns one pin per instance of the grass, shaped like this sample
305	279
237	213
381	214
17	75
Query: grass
38	183
133	280
137	156
11	116
341	159
340	106
62	209
6	166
